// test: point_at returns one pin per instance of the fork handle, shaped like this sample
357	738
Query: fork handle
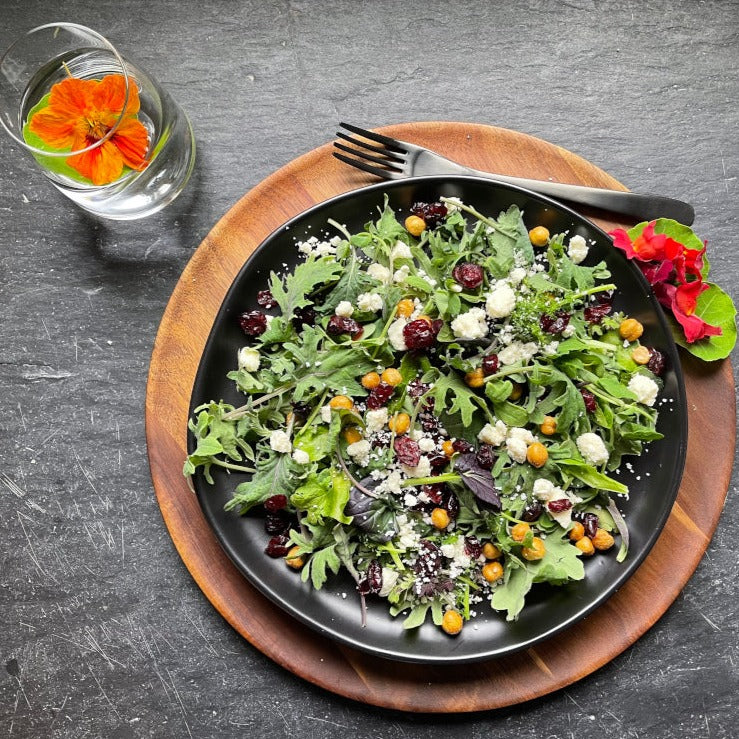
643	207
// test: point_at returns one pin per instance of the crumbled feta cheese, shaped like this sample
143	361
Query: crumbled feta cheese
516	449
401	275
543	488
644	388
376	420
370	302
592	448
378	272
401	250
422	469
326	413
456	288
546	492
408	537
577	250
426	444
389	578
517	351
569	330
494	435
455	551
452	204
248	359
470	325
501	301
517	275
391	484
344	308
301	456
395	335
359	451
280	441
314	247
550	349
525	435
409	500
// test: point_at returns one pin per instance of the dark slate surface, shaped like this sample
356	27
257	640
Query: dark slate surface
104	633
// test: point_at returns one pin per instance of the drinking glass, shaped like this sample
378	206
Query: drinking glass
104	131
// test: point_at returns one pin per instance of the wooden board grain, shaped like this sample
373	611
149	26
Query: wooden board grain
604	634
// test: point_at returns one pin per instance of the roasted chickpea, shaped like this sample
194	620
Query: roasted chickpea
519	531
516	392
492	571
602	541
392	377
577	531
371	380
641	355
399	423
341	401
548	425
440	518
448	448
537	454
352	435
452	623
490	551
536	551
415	225
539	236
630	329
474	379
585	545
294	559
404	308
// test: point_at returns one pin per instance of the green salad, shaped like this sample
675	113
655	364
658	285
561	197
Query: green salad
437	405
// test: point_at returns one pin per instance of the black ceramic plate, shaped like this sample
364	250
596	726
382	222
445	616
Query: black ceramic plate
334	610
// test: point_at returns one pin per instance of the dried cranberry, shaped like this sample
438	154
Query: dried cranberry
554	324
468	275
304	317
379	396
589	400
253	322
462	446
429	422
590	522
374	575
436	326
485	456
407	451
428	561
278	546
338	325
597	312
432	213
490	364
434	493
381	440
437	461
532	511
450	503
472	547
275	503
416	388
276	522
557	506
656	363
418	334
265	299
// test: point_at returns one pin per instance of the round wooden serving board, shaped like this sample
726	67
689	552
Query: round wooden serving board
597	639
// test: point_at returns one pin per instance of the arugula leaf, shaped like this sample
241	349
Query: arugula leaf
511	595
294	292
275	473
323	495
354	281
463	399
591	477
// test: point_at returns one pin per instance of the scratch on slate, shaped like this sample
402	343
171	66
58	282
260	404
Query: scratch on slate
33	555
326	721
710	623
199	630
23	419
12	486
105	695
179	700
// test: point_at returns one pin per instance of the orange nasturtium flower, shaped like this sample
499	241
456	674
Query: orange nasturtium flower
81	112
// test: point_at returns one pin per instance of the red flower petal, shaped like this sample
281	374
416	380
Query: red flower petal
622	241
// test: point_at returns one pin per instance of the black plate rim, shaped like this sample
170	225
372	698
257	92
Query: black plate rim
394	654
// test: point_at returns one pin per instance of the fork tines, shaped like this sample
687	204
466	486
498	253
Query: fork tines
388	155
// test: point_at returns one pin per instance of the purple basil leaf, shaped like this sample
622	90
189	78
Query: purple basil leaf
371	514
478	480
